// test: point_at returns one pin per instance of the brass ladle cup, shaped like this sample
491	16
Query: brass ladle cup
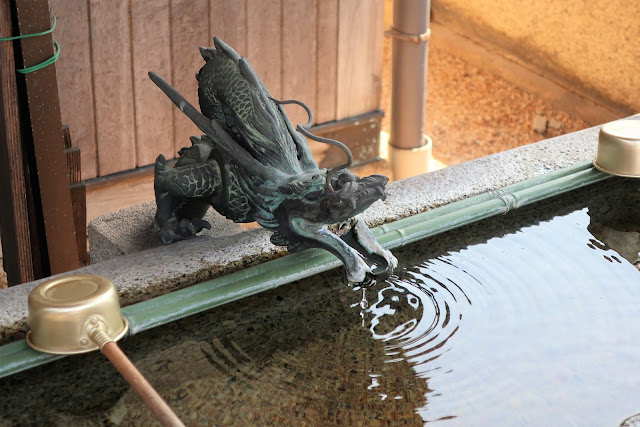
81	313
619	148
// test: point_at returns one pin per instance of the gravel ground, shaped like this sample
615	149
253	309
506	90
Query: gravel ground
472	113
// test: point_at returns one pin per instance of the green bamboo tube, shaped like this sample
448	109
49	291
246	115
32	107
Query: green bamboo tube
18	356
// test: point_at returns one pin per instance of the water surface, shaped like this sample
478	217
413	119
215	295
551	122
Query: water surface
525	319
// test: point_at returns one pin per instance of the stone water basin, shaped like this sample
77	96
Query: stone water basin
522	319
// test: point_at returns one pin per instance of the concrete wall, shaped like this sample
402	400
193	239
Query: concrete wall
591	45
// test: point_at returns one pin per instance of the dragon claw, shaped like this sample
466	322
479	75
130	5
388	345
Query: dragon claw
358	272
391	260
175	231
201	224
186	226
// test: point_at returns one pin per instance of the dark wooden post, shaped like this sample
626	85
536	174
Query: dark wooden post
78	195
16	244
46	132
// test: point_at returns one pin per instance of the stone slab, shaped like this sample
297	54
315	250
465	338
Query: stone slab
158	270
132	230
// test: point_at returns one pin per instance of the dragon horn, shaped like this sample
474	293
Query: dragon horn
303	130
217	133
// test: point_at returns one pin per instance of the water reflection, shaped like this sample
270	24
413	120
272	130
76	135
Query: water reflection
615	221
527	319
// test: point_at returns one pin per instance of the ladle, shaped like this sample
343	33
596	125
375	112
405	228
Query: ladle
619	148
81	313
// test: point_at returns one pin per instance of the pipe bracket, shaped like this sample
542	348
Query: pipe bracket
413	38
507	198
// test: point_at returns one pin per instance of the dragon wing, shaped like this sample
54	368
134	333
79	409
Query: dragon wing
220	137
231	92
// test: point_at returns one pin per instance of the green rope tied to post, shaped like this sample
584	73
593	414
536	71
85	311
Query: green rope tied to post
49	61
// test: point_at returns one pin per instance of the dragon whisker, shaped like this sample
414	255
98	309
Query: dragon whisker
296	102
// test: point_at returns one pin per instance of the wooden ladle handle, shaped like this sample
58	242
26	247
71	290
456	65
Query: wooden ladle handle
147	393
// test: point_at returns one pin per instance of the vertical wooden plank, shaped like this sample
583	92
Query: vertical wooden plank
78	196
79	204
113	86
216	18
154	117
228	20
360	36
189	30
327	59
74	78
14	216
264	47
299	56
46	132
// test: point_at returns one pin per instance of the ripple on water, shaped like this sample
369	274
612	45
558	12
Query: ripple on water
538	326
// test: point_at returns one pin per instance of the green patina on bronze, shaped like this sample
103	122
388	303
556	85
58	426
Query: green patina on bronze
251	164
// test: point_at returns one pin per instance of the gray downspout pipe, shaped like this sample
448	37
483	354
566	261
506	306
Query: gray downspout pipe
409	148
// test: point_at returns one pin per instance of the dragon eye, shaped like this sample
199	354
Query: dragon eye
314	195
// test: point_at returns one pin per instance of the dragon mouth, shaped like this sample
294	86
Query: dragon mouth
363	188
369	193
354	195
373	186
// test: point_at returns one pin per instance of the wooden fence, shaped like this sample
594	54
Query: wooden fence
326	53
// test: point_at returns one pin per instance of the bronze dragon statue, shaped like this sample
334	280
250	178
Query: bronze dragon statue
251	164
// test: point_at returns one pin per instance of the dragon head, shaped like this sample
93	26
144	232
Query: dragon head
328	196
312	197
